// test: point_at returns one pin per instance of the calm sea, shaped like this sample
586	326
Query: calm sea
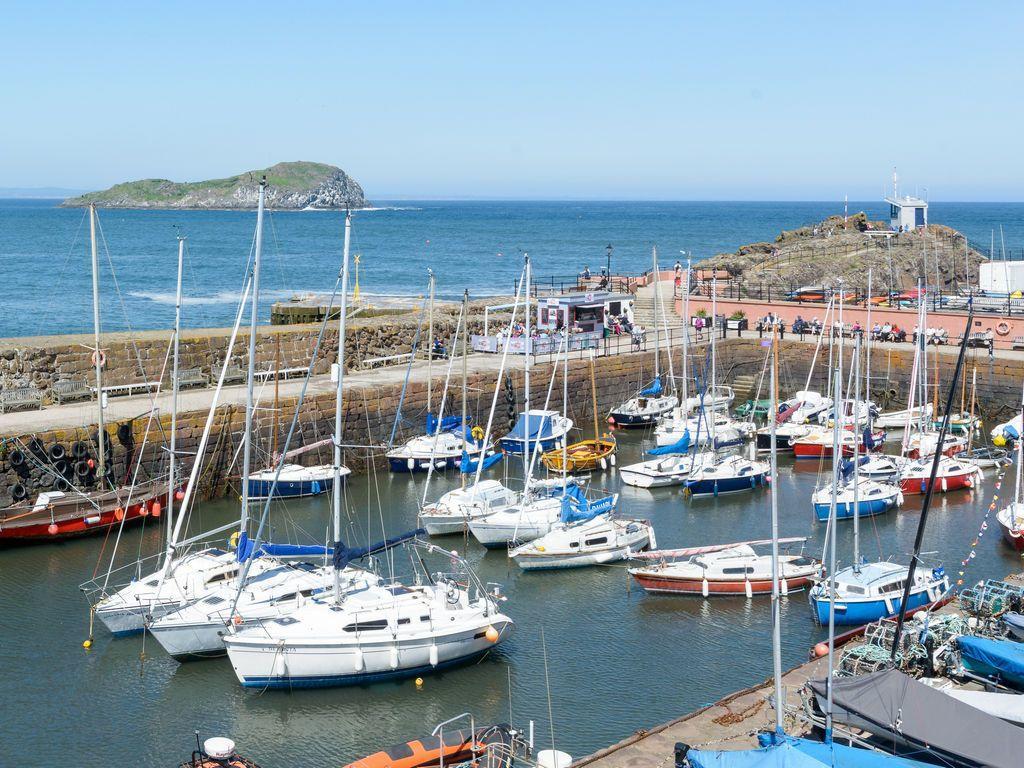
44	256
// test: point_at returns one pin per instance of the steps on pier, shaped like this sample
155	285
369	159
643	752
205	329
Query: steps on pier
745	387
644	306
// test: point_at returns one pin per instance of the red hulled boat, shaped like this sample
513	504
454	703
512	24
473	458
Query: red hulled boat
953	475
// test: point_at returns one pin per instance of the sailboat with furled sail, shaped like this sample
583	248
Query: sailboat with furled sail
651	402
63	510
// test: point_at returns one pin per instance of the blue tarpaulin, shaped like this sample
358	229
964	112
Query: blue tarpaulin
869	442
653	389
847	466
467	465
448	424
577	507
993	658
682	445
789	752
540	427
344	555
247	546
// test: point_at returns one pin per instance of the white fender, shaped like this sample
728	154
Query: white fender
394	657
611	459
604	463
704	588
747	589
945	485
784	586
433	655
357	660
411	464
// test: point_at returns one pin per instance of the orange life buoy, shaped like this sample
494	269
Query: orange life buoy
1003	328
99	357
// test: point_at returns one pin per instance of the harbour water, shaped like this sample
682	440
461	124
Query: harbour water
618	660
475	245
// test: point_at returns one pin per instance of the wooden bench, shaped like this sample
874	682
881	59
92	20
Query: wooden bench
233	375
979	339
372	362
69	390
192	377
1017	343
20	399
284	373
118	390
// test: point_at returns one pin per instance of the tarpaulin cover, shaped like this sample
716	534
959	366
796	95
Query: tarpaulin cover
1015	622
344	555
869	440
653	389
790	752
540	427
954	731
786	412
467	465
847	465
576	506
682	445
247	548
1004	658
448	424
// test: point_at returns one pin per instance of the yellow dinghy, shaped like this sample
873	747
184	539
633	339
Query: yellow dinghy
585	455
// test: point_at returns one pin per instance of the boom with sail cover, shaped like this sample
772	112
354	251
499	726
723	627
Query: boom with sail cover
653	389
682	445
576	506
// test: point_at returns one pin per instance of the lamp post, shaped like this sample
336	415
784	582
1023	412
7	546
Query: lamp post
608	269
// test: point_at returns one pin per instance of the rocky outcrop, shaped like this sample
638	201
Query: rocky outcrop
294	186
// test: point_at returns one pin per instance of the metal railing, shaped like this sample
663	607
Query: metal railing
554	285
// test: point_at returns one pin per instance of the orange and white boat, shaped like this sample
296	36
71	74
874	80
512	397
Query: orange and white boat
491	746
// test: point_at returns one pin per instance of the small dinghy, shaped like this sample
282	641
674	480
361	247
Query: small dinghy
601	539
785	434
1008	431
548	428
663	471
295	480
717	398
732	474
867	497
217	752
724	569
873	591
645	409
960	423
986	458
583	456
953	475
882	467
490	746
924	444
818	445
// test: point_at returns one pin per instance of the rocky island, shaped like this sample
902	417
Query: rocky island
294	186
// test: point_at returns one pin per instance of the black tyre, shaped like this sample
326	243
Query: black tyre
18	492
82	468
36	447
61	484
79	450
57	452
62	467
16	458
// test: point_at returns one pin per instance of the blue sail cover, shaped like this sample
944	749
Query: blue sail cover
467	465
576	507
797	753
869	441
682	445
344	555
448	424
653	389
993	658
247	548
847	466
540	428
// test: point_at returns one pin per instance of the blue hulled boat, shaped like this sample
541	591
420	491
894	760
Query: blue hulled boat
549	428
731	474
872	498
874	591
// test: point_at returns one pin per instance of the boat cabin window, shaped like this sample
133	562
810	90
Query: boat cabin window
598	540
801	560
366	626
222	576
498	502
291	595
853	589
213	600
895	586
425	618
573	544
404	621
749	569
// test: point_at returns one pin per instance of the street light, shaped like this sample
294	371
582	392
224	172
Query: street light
608	269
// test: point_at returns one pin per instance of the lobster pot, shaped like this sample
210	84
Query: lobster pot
990	598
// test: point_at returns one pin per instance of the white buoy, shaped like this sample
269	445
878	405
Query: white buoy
357	660
394	657
219	747
553	758
433	655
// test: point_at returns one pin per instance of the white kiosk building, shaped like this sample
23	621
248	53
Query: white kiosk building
906	213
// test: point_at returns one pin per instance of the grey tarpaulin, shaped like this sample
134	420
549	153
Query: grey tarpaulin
897	707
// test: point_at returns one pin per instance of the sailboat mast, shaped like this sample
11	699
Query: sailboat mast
926	504
526	377
856	457
251	376
430	340
172	463
657	296
837	389
776	571
686	334
867	361
593	394
97	355
465	375
339	402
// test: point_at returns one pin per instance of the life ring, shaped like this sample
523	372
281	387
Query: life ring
99	357
477	433
1003	328
233	541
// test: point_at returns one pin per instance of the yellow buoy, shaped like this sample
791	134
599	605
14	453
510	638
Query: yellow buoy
419	682
87	644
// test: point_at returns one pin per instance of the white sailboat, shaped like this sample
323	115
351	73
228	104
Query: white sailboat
601	539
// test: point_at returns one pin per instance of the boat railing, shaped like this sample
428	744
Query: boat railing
102	585
439	732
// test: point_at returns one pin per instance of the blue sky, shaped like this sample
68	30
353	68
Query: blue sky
641	100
